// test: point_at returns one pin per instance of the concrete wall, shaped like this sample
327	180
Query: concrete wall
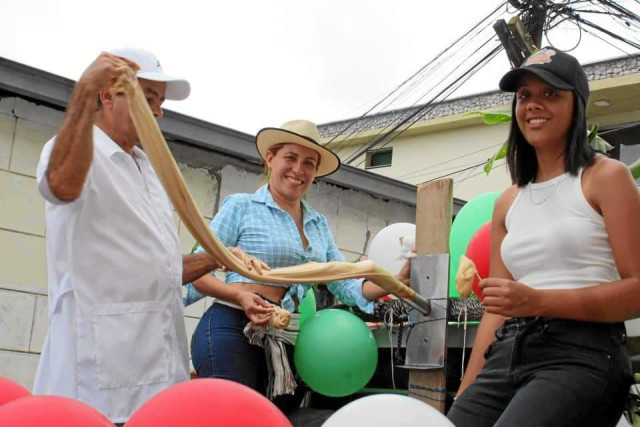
24	127
355	217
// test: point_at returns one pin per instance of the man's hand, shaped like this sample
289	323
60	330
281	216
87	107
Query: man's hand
72	152
251	262
104	71
255	308
510	298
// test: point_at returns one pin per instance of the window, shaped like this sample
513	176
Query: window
379	158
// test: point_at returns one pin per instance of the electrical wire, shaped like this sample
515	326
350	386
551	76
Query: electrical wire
607	42
409	174
451	54
441	54
453	173
621	9
423	78
557	14
418	174
424	109
607	32
624	21
421	111
431	62
480	173
546	34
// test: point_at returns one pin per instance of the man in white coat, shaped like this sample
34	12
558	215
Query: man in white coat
116	329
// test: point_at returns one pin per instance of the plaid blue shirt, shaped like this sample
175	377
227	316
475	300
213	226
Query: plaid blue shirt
257	225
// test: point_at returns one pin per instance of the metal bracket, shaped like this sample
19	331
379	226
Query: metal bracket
427	337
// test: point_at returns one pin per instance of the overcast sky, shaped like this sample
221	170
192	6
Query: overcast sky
257	63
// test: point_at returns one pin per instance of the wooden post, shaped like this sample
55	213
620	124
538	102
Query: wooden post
434	206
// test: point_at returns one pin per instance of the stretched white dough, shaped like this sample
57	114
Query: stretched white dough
167	170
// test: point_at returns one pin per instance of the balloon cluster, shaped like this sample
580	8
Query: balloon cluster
19	408
336	355
471	236
207	402
196	403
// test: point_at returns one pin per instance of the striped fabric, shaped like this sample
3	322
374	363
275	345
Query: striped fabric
257	225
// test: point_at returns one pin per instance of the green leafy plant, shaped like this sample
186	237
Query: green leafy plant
501	154
596	140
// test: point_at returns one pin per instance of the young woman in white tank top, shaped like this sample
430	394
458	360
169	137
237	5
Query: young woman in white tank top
565	271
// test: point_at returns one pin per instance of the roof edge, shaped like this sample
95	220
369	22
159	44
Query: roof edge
42	86
398	111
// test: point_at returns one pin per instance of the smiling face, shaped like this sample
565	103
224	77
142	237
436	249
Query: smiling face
544	113
293	168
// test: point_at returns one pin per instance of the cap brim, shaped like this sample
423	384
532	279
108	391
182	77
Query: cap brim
177	89
269	137
509	82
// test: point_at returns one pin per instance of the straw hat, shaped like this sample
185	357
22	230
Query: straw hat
301	132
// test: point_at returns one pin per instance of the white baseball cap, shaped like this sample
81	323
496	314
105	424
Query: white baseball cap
150	69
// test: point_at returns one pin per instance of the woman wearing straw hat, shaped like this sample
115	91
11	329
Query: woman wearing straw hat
550	349
276	225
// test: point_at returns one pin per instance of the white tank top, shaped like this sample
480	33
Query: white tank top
555	239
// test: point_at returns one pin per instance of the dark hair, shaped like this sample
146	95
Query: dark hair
521	157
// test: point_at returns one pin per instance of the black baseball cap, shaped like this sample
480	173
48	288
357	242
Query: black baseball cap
557	68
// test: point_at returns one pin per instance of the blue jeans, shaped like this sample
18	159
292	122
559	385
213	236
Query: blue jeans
549	372
219	349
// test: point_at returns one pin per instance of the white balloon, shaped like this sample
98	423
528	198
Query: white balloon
389	247
387	410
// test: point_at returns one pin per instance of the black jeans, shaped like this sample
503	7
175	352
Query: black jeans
549	373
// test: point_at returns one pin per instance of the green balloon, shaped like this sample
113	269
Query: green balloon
335	353
307	307
474	214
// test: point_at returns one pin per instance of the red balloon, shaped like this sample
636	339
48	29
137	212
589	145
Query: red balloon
10	390
51	411
208	402
479	251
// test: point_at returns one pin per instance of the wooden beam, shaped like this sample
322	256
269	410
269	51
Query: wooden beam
434	206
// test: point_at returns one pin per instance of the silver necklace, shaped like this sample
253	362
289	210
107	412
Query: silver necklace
550	190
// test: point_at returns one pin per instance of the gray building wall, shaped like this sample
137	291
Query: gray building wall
354	216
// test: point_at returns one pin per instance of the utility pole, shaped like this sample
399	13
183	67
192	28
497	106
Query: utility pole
434	205
534	17
521	38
